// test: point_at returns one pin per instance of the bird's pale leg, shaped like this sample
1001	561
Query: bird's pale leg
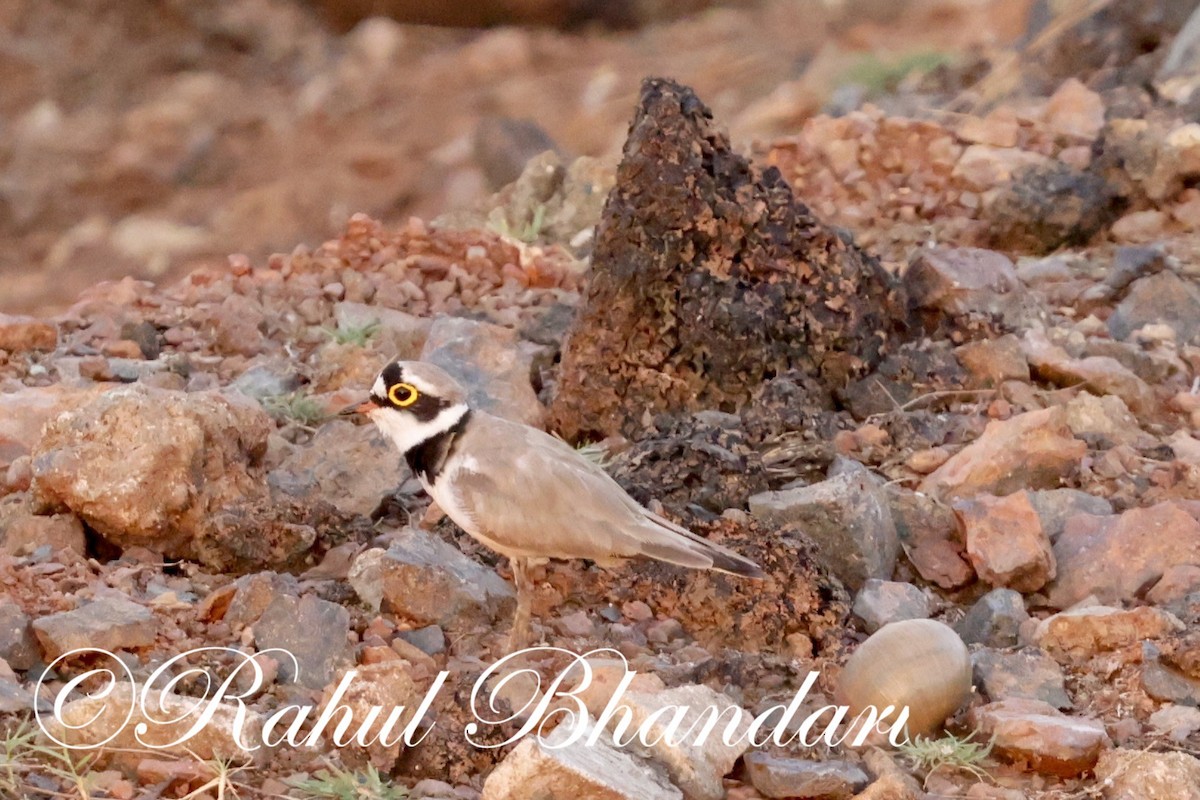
518	639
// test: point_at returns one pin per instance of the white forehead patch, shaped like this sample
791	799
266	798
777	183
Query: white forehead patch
378	389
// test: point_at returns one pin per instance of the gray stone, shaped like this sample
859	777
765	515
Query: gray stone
431	639
109	623
315	631
1165	683
1163	298
1054	506
352	467
849	519
268	380
880	602
1029	673
424	581
14	698
994	620
929	533
964	280
782	776
17	644
490	364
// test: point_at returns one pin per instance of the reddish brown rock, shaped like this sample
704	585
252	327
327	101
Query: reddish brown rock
1100	374
1075	110
1083	632
1039	735
25	411
955	281
1005	541
1034	450
1114	558
708	278
1139	775
23	334
991	362
23	533
931	537
181	474
1176	583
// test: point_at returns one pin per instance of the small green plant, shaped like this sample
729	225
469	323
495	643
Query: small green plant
949	752
528	233
298	407
22	755
358	335
879	76
342	784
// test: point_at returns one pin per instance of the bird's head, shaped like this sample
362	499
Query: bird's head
411	402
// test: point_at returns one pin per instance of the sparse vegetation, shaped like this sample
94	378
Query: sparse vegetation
298	407
358	335
881	75
23	755
342	784
527	233
949	752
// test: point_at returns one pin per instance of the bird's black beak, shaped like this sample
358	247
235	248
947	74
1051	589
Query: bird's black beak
365	407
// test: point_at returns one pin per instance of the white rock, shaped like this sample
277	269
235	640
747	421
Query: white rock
547	770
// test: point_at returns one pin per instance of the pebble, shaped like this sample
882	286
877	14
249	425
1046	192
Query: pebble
1140	775
1083	632
786	776
1029	673
557	771
91	720
18	647
880	602
994	620
26	334
288	623
424	581
1162	298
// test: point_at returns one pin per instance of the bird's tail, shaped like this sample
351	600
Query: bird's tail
677	545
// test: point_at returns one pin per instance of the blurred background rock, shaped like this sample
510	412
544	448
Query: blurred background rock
147	137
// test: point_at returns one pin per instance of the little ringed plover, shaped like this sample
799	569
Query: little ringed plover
520	491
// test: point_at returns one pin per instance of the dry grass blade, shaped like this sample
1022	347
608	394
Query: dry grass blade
1005	76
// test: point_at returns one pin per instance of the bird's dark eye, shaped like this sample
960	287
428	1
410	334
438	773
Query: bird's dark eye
403	394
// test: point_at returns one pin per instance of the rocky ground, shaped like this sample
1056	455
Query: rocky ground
982	407
180	131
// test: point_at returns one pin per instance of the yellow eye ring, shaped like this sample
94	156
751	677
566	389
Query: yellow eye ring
403	394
